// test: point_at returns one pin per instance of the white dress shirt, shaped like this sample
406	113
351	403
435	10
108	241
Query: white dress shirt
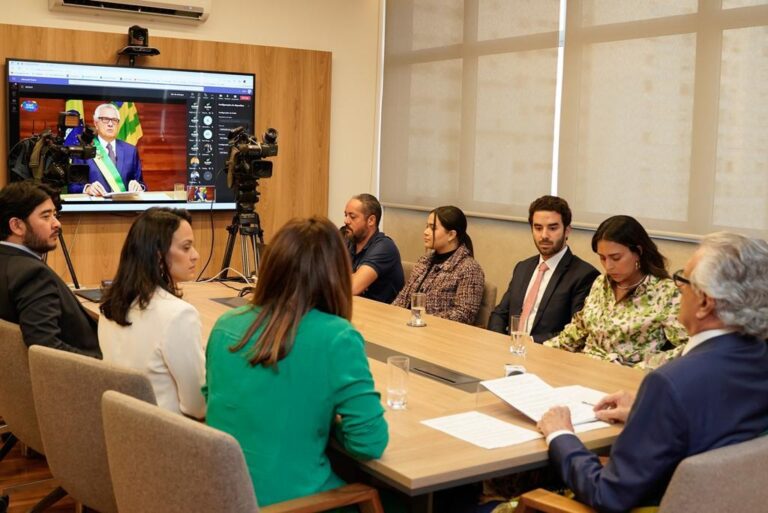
552	263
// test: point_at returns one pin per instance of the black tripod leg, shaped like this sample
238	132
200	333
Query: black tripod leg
49	500
7	446
69	260
231	232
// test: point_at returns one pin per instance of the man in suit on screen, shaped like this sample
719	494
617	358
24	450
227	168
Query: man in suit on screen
716	394
116	167
546	289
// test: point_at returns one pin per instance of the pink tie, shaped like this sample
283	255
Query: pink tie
530	299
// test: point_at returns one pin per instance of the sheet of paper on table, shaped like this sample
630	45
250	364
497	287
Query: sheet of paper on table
482	430
531	396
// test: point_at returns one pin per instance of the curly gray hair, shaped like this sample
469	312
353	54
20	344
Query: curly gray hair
733	269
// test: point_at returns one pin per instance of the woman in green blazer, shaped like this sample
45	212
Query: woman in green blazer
289	368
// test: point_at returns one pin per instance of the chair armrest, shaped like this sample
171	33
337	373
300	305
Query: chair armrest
549	502
356	493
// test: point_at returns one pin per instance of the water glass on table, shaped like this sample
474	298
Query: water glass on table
418	308
517	335
398	369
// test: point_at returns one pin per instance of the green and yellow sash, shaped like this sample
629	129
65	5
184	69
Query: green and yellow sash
107	168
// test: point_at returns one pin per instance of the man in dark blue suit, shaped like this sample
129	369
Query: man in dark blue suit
563	285
715	395
116	167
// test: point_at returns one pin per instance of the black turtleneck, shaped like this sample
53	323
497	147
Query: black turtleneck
440	258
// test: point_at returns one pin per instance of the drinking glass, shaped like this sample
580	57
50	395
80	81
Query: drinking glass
517	335
398	368
418	307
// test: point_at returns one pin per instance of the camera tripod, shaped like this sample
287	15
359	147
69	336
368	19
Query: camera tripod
248	225
67	258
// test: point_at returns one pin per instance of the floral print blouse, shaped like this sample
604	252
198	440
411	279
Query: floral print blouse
639	330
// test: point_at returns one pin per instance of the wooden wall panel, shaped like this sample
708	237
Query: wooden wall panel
293	94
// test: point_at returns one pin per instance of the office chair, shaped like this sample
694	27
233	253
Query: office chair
67	388
19	410
162	462
725	479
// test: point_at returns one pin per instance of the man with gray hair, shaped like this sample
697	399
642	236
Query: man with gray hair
715	395
116	166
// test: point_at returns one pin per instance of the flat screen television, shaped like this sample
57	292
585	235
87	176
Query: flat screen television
178	120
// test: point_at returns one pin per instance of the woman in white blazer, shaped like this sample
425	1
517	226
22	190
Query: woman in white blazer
144	323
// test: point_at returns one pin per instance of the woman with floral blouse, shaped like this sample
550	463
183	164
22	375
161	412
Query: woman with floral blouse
630	315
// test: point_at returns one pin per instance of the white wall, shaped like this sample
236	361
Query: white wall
347	28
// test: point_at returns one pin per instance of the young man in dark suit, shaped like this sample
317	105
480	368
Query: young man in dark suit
716	394
546	297
31	294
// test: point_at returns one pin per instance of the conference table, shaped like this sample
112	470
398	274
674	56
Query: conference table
447	360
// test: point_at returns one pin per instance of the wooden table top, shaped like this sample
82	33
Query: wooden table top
420	459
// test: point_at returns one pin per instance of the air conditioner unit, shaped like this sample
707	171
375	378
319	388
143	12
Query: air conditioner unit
167	10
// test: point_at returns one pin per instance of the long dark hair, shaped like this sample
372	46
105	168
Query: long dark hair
306	266
452	218
627	231
142	263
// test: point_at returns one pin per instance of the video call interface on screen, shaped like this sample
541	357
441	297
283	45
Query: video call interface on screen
177	120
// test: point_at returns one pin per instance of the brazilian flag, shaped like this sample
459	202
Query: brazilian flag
130	127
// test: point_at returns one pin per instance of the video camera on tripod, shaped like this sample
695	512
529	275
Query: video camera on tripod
245	165
245	168
46	158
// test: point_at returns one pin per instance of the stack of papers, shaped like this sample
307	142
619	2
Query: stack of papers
531	396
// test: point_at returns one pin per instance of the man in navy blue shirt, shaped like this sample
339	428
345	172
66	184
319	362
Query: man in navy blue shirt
377	272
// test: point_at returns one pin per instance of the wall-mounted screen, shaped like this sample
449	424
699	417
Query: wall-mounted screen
170	126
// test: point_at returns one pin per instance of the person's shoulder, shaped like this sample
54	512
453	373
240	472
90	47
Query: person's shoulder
124	144
666	284
381	244
527	262
601	282
7	251
467	262
172	304
21	264
325	327
326	321
662	288
231	319
382	239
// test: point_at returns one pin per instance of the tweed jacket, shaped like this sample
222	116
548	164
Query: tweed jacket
454	288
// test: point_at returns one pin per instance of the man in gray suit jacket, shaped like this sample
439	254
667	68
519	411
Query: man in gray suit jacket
715	394
31	294
563	284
